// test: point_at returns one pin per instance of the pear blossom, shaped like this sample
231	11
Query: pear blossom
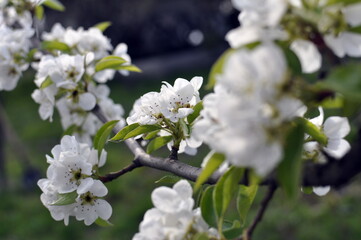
243	117
177	101
90	204
70	171
335	129
173	216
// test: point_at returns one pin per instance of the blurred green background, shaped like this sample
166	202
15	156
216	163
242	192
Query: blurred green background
28	139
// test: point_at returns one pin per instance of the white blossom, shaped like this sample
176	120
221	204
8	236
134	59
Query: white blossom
335	129
70	172
172	217
90	204
308	55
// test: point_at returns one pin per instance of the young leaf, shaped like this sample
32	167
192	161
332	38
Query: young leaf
124	131
292	59
196	111
207	209
169	179
55	45
70	130
345	80
312	130
289	170
225	189
47	82
201	236
217	68
103	223
214	160
245	199
102	135
158	143
131	68
151	135
39	12
109	62
65	199
234	231
141	130
54	4
102	26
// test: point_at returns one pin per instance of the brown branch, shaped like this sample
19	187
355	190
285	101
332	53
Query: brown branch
335	173
111	176
264	204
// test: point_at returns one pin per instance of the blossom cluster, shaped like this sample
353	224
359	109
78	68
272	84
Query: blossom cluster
168	107
244	118
247	115
70	176
68	81
173	216
304	24
16	32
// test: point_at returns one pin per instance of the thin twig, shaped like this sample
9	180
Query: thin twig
264	204
111	176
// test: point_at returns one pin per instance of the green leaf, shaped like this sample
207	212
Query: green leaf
103	134
70	130
109	62
169	179
207	207
130	68
201	236
292	59
39	12
103	223
54	4
333	102
289	170
217	67
158	143
124	131
47	82
55	45
185	129
245	199
151	135
345	80
102	26
312	130
356	29
196	111
213	162
141	130
65	199
307	190
234	231
225	189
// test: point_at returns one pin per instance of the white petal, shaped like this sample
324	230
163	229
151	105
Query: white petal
103	158
335	44
352	14
319	119
103	209
183	188
308	55
99	189
197	82
321	191
336	127
85	185
165	199
87	101
337	148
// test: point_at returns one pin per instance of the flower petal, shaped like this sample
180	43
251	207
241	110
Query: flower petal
336	127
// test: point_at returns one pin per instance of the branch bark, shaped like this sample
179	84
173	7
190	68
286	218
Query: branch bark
335	173
264	204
